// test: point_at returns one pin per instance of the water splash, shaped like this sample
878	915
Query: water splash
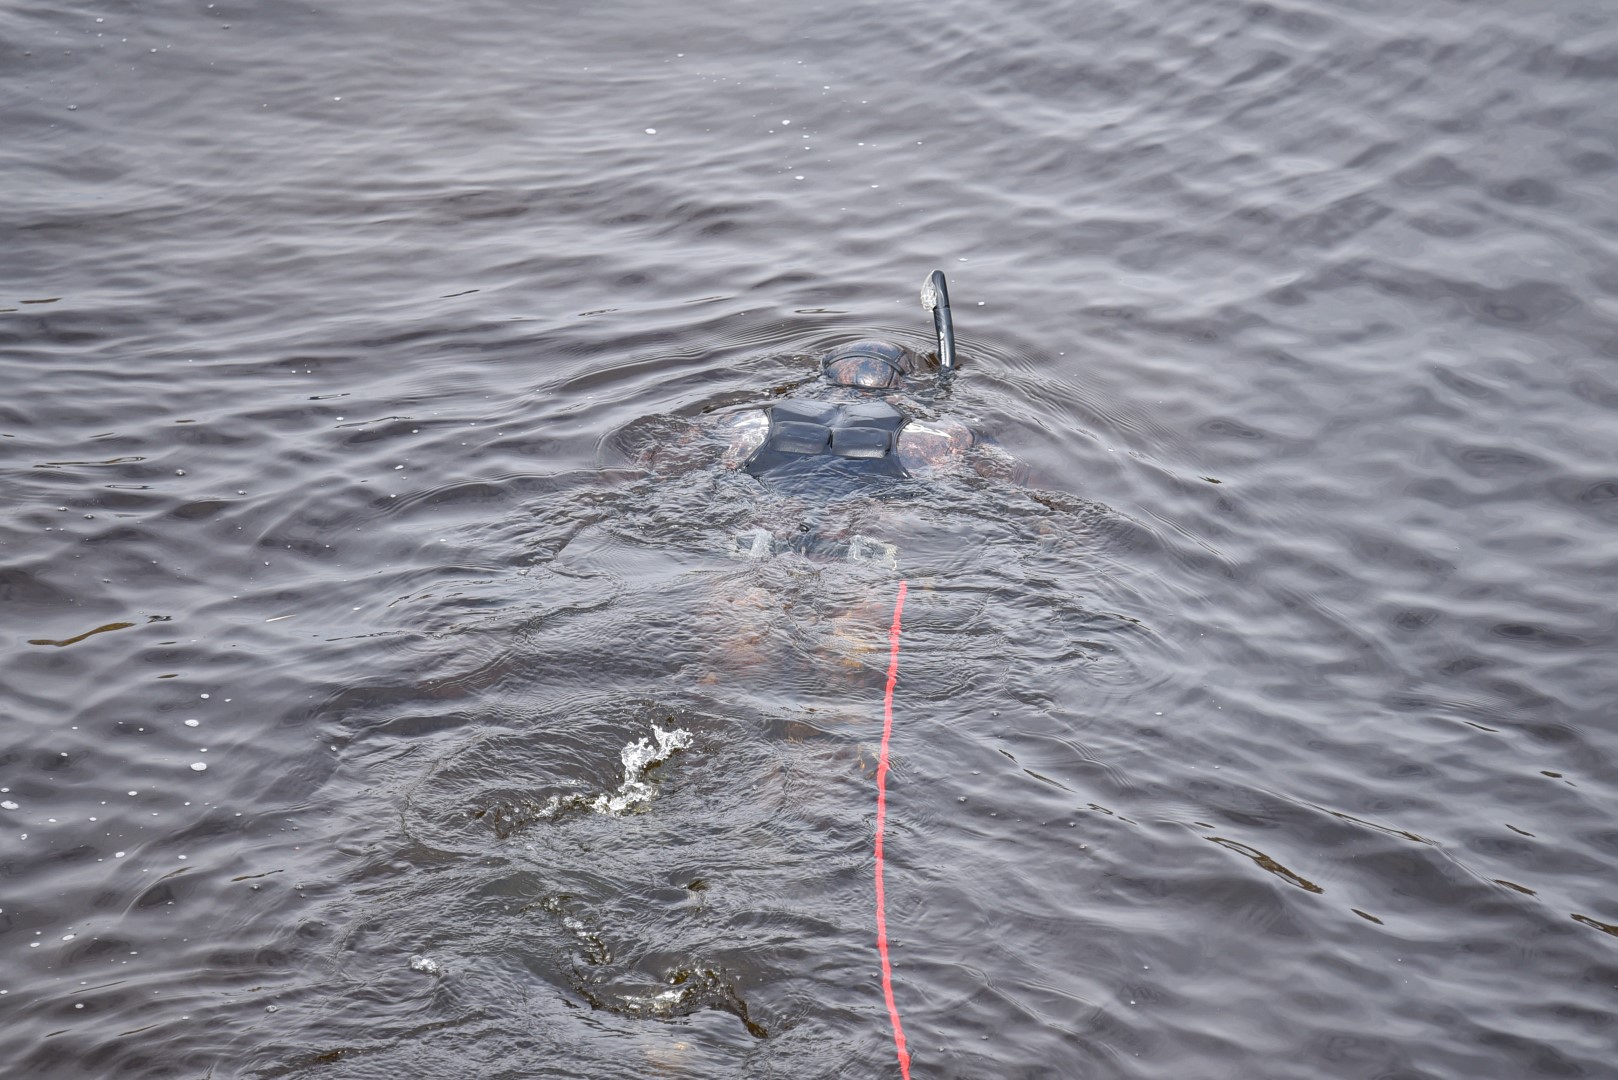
635	792
639	756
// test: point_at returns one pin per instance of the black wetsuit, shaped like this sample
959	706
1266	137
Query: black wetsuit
818	444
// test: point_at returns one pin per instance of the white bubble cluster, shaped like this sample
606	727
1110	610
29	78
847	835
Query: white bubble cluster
637	757
634	792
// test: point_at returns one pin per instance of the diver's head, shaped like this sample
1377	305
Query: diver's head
870	365
882	365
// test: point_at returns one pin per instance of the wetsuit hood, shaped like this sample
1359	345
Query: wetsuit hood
867	365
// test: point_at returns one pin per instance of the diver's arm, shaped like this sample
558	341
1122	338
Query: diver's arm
925	445
992	462
671	445
744	432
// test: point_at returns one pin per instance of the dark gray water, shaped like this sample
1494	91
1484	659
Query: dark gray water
1266	732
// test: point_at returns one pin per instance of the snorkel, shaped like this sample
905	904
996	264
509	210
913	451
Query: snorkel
870	364
935	298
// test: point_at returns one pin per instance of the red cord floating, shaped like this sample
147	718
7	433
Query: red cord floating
881	820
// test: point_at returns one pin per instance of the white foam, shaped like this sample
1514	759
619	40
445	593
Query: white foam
634	792
639	756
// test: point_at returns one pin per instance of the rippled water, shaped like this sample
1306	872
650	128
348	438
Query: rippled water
1263	732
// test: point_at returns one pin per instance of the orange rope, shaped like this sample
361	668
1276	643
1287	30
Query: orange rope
881	820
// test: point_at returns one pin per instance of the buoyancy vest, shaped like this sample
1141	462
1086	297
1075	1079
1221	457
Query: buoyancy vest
811	441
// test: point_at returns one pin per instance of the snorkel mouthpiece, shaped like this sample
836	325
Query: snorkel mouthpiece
935	298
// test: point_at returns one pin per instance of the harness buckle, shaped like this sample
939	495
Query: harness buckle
754	543
865	549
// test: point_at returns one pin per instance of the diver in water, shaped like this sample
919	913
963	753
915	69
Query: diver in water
838	441
861	431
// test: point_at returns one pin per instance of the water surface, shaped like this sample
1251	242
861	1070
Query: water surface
1265	731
